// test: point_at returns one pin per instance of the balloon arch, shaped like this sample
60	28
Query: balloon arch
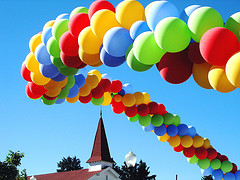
194	42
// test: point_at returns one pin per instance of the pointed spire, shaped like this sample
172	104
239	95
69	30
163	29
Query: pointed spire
100	151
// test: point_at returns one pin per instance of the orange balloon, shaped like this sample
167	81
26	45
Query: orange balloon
164	138
72	100
89	59
85	90
139	98
51	85
186	141
92	80
53	93
117	98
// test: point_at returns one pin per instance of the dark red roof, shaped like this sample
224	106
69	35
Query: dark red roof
82	174
100	151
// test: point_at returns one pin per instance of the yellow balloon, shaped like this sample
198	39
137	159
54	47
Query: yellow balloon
163	138
92	80
174	141
34	42
97	73
219	81
89	42
233	69
197	141
206	143
186	141
49	24
85	90
98	64
147	98
200	74
117	98
39	79
89	59
51	85
102	21
31	63
72	100
53	93
128	12
129	100
139	98
107	99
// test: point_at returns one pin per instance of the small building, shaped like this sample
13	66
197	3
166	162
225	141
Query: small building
100	162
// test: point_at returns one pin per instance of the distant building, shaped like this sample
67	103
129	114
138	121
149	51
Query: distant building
100	163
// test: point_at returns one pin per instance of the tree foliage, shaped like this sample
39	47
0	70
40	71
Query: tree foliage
207	178
69	164
139	172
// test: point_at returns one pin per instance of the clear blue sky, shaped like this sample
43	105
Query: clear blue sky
47	133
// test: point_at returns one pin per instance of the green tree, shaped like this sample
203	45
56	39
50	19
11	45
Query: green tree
139	172
69	164
207	178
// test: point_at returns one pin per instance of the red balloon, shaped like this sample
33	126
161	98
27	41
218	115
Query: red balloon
85	99
37	89
224	158
118	107
81	66
153	106
97	92
30	94
212	153
194	54
235	168
49	98
98	5
175	68
69	44
178	148
71	61
161	109
26	74
106	84
116	86
131	111
189	152
77	23
143	109
201	153
217	45
219	156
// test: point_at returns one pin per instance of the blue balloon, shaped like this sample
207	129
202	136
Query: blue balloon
83	71
59	101
79	80
62	16
229	176
73	92
191	131
128	88
182	130
207	172
46	34
217	174
59	77
148	128
109	60
138	28
237	175
116	41
188	11
49	71
122	92
106	76
42	55
158	11
172	130
161	130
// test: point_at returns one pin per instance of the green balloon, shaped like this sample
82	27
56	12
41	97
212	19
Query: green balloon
168	119
233	24
215	164
204	163
48	102
79	10
68	71
64	93
71	81
177	120
134	119
57	62
53	47
134	64
144	120
146	50
97	102
203	19
193	160
226	166
172	34
59	28
157	120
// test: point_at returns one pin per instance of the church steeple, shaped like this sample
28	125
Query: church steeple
100	156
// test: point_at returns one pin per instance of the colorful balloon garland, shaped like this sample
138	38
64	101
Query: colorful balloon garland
107	35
